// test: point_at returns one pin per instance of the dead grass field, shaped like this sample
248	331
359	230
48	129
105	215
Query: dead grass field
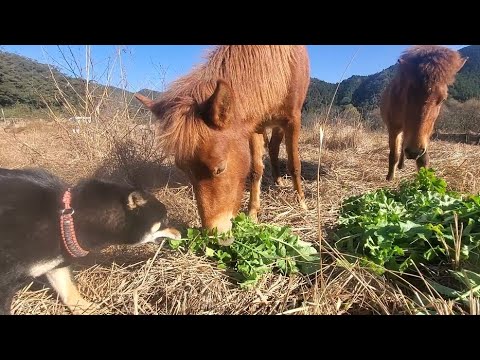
153	280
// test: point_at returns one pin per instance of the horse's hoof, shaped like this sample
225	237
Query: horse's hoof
279	182
303	204
253	216
226	242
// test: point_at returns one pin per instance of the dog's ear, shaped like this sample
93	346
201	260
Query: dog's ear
135	199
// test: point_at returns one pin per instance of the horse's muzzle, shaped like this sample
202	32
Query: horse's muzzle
414	153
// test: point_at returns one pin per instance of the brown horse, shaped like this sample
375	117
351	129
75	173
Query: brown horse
213	120
412	101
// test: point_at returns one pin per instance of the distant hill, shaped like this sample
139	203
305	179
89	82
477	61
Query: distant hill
467	84
364	91
28	82
152	94
25	81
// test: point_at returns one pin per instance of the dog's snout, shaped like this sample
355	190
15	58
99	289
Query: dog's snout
414	152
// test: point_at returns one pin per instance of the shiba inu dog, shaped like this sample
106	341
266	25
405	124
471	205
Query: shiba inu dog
44	226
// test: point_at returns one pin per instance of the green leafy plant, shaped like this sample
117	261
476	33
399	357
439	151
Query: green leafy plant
397	229
470	281
257	249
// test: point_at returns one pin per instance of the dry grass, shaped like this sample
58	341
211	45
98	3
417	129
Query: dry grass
146	281
338	136
154	280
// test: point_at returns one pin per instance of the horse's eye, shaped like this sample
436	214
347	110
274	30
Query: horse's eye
220	168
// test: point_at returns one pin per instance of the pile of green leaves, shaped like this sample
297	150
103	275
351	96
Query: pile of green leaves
257	249
395	229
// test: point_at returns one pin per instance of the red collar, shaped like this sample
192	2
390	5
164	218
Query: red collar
67	228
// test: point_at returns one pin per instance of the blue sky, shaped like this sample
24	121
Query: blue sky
154	66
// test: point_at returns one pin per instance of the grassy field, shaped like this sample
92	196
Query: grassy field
152	280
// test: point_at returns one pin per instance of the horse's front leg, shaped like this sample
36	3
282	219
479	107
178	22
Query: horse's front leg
273	151
395	145
292	133
256	149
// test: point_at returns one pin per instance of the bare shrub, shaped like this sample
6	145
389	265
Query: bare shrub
459	117
344	131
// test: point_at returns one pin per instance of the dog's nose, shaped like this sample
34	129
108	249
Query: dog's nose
414	153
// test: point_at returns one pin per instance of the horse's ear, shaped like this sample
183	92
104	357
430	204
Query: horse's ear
219	106
145	100
462	63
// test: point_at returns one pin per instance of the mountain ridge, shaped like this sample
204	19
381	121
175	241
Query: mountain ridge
28	82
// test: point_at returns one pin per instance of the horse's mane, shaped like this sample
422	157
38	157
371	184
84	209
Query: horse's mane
259	77
431	64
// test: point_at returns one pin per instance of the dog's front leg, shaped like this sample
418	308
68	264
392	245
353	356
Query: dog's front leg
62	281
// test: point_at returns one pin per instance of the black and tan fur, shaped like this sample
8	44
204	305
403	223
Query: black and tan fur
30	237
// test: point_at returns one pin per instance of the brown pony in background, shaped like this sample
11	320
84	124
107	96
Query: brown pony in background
412	101
213	120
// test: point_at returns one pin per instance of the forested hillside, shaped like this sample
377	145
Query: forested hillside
27	82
